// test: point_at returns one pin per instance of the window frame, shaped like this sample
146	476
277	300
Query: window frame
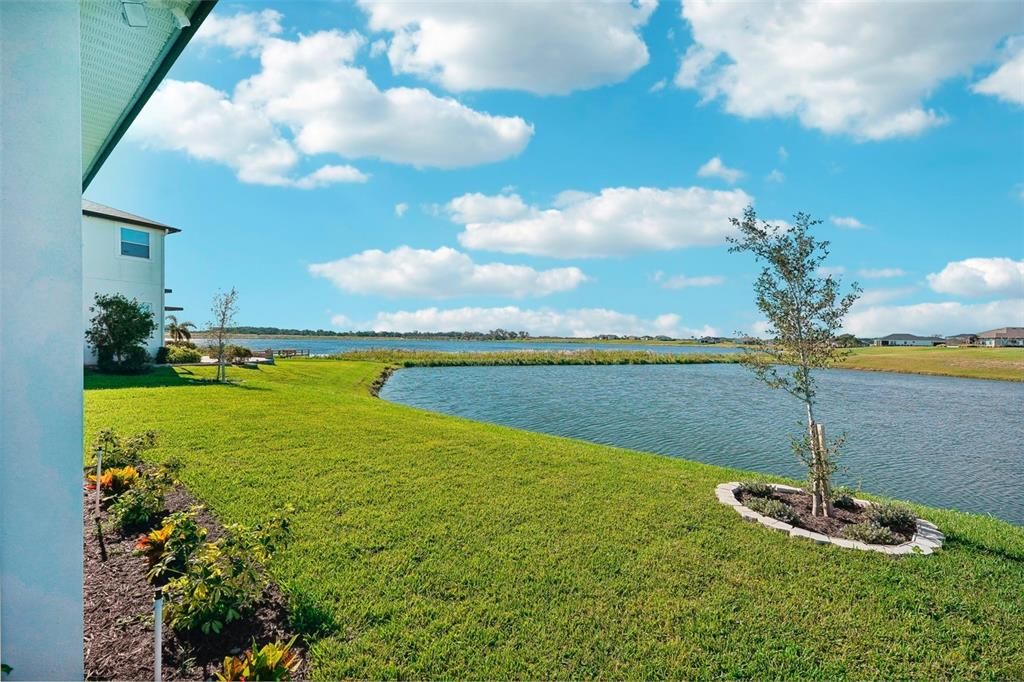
122	241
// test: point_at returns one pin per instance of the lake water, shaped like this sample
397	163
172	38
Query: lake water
939	441
330	346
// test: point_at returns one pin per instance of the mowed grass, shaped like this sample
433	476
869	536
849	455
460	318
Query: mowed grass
429	546
965	361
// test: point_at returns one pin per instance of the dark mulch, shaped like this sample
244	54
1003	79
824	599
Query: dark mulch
832	526
119	612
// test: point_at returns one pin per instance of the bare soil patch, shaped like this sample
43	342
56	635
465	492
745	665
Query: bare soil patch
832	526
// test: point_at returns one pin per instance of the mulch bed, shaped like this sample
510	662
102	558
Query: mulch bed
119	612
832	526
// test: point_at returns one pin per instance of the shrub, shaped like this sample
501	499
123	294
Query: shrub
140	504
755	489
275	661
121	451
161	355
114	481
870	533
895	517
773	508
235	353
132	361
842	497
179	354
168	548
224	579
117	331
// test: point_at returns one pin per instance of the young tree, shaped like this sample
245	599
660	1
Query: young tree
179	332
225	307
805	310
118	331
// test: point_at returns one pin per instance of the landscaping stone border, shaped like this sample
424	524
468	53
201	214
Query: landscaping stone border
926	540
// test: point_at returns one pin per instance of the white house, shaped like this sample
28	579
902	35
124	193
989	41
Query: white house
123	254
907	340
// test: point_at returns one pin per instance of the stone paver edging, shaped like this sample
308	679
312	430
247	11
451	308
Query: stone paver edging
926	539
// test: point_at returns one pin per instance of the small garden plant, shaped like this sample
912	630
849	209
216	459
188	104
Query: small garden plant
118	450
871	533
755	489
895	517
275	661
168	548
773	508
139	505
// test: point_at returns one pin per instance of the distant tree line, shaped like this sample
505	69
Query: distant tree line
493	335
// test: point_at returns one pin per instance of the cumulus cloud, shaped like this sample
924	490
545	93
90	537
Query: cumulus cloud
980	277
243	32
846	222
839	67
1006	82
715	168
442	273
775	176
881	273
833	270
948	317
207	125
401	208
541	47
684	281
616	221
582	322
309	99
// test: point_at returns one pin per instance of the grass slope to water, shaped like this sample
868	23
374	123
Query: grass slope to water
428	546
974	363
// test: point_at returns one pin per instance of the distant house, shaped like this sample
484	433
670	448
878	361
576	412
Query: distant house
962	340
908	340
123	253
1004	336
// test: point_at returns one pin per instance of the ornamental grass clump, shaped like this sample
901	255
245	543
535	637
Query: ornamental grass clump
871	533
774	508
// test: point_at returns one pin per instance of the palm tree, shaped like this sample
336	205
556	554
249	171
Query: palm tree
178	331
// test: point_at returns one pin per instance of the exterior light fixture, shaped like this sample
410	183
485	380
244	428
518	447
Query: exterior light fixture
134	14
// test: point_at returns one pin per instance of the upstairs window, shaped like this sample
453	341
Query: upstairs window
134	243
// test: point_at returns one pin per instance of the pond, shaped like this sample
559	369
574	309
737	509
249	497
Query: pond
935	440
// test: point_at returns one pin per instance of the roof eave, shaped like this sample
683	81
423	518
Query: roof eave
170	55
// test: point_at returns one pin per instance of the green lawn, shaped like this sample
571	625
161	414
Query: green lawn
429	546
975	363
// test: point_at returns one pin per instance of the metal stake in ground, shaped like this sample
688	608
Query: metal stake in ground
158	633
99	473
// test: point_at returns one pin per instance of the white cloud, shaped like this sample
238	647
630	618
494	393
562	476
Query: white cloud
401	208
714	168
859	68
617	221
870	297
881	273
935	318
834	270
775	176
541	47
204	123
378	47
980	277
1006	82
582	322
442	273
847	222
683	281
658	86
783	154
243	32
762	329
309	89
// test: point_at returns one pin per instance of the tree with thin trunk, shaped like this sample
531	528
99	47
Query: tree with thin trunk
180	332
804	308
225	307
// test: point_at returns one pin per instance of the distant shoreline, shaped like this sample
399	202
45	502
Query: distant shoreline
455	339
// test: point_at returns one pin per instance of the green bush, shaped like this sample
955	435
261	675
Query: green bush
133	360
773	508
870	533
117	331
842	497
274	661
119	451
236	353
161	355
895	517
179	354
137	507
168	548
756	489
224	579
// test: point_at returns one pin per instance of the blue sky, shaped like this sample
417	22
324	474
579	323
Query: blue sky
539	166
